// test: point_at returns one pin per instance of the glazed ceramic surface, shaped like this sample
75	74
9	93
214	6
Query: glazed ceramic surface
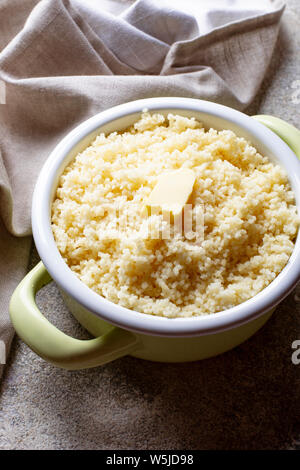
120	331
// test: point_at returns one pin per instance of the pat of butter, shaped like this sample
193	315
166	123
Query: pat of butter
171	192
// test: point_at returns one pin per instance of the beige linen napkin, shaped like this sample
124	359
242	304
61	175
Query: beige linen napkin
70	62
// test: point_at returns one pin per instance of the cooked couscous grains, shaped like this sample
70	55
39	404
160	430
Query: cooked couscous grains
250	219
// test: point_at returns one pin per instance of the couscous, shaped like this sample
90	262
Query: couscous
247	207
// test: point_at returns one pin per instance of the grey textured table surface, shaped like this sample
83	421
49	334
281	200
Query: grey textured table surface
245	399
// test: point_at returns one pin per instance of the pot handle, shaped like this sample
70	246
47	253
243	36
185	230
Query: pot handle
287	132
52	344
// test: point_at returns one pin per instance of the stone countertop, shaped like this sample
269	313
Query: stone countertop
247	398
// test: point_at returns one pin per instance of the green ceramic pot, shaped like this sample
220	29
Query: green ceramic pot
117	330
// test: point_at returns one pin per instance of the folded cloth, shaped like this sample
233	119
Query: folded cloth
73	59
